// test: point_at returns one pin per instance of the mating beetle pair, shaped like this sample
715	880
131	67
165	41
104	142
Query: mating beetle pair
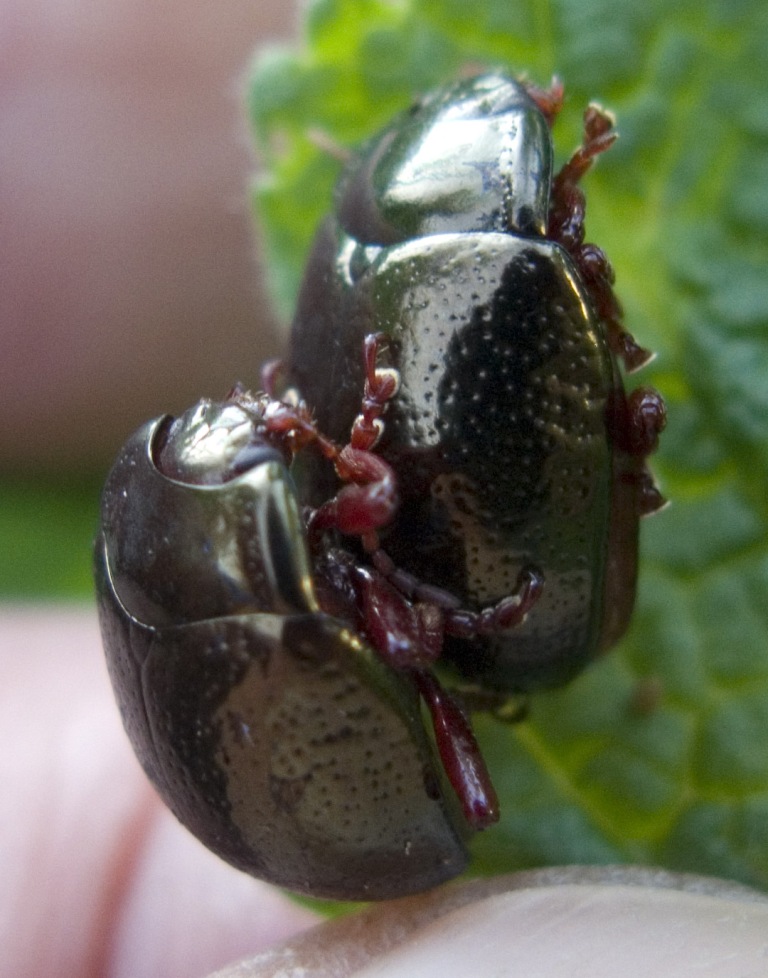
451	476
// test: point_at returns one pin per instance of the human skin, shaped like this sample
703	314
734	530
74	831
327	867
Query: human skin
129	278
561	923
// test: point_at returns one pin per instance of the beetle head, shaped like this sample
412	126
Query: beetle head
476	156
212	443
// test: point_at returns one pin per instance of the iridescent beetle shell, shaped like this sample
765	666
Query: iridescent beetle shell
506	433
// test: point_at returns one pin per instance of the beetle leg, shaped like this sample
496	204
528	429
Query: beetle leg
404	633
566	226
567	200
651	499
459	751
645	417
462	622
270	372
381	385
370	500
599	135
366	504
409	637
549	100
635	423
599	277
499	617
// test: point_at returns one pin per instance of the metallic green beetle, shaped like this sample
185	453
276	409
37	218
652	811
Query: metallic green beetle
511	436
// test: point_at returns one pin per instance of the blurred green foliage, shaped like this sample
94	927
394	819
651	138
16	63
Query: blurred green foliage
46	535
659	754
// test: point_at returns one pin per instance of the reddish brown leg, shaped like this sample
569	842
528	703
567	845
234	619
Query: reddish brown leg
270	372
461	622
646	418
599	277
549	100
365	504
507	613
370	501
406	634
599	135
459	751
400	611
409	637
635	424
381	385
566	226
651	499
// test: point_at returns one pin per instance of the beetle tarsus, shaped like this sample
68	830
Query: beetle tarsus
651	499
549	100
499	617
271	371
460	622
599	136
381	384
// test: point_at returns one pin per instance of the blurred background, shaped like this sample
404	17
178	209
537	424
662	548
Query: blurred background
129	269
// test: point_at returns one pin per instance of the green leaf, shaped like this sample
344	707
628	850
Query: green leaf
659	753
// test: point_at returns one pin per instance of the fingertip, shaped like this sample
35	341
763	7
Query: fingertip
628	921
